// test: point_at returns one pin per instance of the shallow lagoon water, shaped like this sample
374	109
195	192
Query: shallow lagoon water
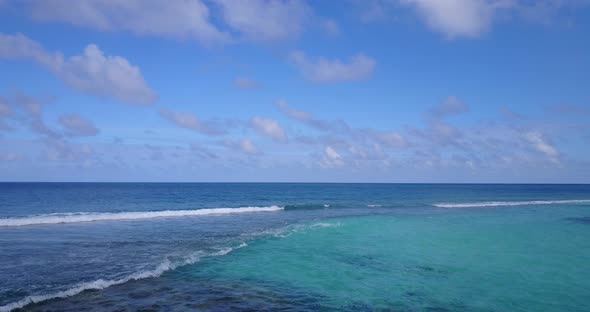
375	247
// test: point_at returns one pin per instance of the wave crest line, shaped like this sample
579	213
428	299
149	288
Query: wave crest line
130	215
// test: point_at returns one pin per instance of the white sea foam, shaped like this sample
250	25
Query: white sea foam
325	224
511	203
167	265
373	205
131	215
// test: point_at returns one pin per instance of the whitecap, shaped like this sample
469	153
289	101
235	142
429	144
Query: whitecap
325	224
511	203
76	217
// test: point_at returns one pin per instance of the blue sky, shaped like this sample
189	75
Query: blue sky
286	90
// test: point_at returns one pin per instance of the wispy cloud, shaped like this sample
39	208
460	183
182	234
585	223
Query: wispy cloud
76	125
269	127
323	70
32	108
310	120
264	20
5	109
541	144
564	108
174	18
5	112
190	121
10	156
330	27
60	150
244	145
203	152
246	83
450	106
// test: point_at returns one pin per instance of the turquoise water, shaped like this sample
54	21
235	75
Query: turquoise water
326	247
458	262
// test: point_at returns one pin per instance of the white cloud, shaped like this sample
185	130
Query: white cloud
110	76
92	72
265	20
331	153
171	18
246	83
469	18
248	147
207	21
76	125
268	127
190	121
540	143
455	18
331	158
358	67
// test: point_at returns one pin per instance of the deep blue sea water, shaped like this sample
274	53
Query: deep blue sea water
294	247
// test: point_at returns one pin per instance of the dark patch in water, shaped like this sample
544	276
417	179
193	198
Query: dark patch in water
425	268
585	220
140	294
411	293
152	308
437	309
366	261
206	293
151	295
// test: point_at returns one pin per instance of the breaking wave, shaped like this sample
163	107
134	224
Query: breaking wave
130	215
99	284
511	203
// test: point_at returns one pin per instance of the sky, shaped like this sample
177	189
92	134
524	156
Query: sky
442	91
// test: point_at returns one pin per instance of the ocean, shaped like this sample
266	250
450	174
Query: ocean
294	247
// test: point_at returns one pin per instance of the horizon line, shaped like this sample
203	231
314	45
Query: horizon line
299	182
